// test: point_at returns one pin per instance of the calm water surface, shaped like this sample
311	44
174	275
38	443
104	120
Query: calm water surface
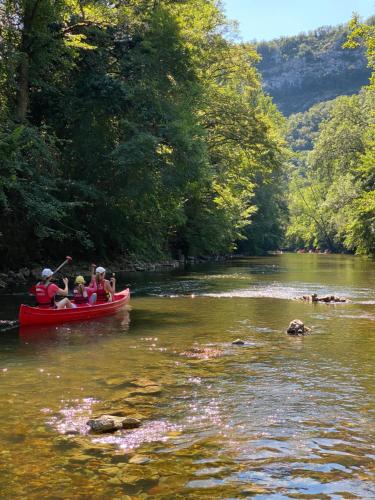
278	418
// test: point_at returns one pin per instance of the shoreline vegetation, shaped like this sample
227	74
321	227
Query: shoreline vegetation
143	129
10	279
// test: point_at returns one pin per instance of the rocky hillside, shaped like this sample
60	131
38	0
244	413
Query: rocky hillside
302	70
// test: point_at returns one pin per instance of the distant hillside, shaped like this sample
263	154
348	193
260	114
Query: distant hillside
302	70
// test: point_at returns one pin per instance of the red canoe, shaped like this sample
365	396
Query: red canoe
42	316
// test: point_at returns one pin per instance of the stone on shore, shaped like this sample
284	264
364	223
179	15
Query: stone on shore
296	327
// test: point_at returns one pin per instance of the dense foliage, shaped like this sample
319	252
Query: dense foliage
139	129
332	189
132	128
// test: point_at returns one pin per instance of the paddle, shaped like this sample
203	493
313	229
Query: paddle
66	261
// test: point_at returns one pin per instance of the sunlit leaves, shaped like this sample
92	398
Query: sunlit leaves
154	133
363	34
331	192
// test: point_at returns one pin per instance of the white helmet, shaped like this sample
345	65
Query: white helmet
47	272
100	270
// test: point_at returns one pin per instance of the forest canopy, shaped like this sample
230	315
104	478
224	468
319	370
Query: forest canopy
141	130
135	128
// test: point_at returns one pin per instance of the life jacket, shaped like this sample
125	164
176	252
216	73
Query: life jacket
78	297
101	294
41	294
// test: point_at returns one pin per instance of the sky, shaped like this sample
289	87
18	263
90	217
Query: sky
268	19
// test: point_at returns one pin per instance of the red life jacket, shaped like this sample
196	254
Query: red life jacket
41	294
78	297
101	294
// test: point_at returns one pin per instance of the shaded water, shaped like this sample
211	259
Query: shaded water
279	417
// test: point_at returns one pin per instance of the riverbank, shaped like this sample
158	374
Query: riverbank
11	279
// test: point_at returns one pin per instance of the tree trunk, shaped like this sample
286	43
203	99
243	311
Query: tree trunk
23	71
22	100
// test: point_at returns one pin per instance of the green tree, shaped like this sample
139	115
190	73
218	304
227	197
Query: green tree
132	128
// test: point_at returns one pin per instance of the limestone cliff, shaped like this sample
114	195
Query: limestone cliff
308	68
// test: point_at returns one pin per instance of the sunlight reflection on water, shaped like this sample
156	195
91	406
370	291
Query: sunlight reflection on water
277	417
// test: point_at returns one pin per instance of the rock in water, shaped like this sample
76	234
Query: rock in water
130	423
326	298
112	423
105	423
296	327
238	342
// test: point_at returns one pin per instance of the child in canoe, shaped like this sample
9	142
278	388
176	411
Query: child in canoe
83	294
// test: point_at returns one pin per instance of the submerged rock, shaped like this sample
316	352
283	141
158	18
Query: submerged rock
116	381
153	390
139	460
143	382
112	423
296	327
65	443
203	353
139	400
81	458
118	395
135	475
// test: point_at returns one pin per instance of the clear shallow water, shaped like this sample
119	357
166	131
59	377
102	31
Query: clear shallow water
280	417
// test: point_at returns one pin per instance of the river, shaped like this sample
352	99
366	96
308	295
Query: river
279	417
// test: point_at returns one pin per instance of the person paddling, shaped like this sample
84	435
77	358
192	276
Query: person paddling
83	294
105	289
45	292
